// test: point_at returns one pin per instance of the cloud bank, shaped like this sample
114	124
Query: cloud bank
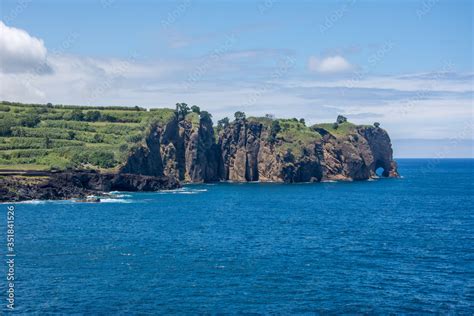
420	105
21	52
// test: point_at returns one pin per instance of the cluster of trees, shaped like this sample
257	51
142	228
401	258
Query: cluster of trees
91	116
7	124
182	109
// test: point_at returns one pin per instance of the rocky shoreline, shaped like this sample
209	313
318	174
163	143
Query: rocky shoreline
77	185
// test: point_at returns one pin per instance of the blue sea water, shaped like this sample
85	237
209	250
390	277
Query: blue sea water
386	246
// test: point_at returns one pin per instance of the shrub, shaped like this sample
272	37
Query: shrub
4	108
98	138
71	135
31	119
77	115
92	116
102	159
5	127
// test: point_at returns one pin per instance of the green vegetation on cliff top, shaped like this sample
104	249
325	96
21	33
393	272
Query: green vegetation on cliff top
40	137
43	137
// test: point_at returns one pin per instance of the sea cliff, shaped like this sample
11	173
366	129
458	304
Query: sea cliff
170	148
245	150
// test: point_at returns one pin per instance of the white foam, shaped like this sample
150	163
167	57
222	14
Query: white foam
33	202
185	190
115	201
120	195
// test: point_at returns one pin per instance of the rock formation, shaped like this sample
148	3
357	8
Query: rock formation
243	151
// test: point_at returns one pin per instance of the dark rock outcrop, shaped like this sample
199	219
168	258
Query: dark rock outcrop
244	152
248	155
68	185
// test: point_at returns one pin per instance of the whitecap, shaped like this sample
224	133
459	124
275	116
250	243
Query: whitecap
120	195
115	201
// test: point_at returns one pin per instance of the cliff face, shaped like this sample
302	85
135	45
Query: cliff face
248	155
358	155
244	151
180	150
186	150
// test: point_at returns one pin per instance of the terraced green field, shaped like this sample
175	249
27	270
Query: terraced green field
44	137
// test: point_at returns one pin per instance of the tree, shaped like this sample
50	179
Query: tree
182	109
275	129
341	119
222	124
204	115
376	124
302	121
270	116
239	116
49	105
196	109
335	125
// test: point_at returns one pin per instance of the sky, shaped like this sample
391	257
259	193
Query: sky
405	64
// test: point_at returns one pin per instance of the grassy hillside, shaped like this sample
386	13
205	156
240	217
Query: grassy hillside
293	134
296	136
42	137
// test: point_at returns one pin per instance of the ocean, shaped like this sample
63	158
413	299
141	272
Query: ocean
384	246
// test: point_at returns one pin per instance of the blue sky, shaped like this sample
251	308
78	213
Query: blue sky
403	63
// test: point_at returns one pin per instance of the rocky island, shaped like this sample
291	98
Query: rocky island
62	152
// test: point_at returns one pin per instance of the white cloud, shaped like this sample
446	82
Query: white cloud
21	52
436	104
332	64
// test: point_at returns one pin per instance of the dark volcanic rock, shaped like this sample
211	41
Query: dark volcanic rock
78	184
